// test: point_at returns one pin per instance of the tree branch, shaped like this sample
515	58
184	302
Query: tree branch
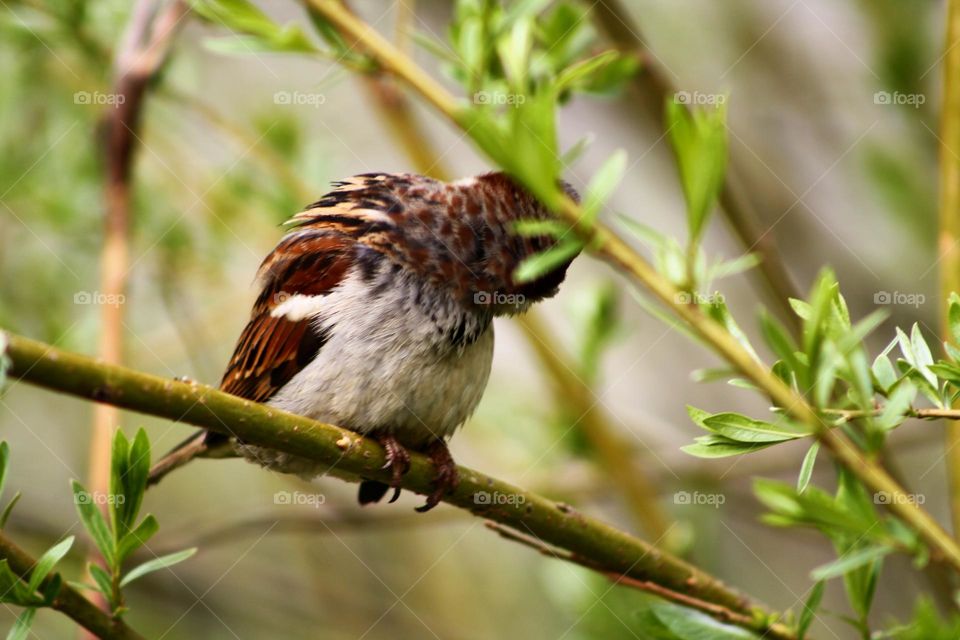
948	249
69	601
769	631
609	247
145	45
554	523
920	414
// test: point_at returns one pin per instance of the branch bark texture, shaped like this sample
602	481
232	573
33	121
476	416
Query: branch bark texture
552	523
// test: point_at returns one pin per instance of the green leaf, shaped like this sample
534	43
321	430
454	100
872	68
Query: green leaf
733	267
898	404
119	454
916	352
856	335
717	309
531	228
94	522
581	71
810	609
135	480
826	375
743	429
719	447
922	351
689	624
12	589
610	78
815	325
779	341
698	416
9	509
244	17
813	507
646	234
884	373
137	538
21	628
514	51
47	561
103	580
801	308
574	153
849	562
700	140
156	564
861	585
240	44
603	184
948	371
541	263
806	469
4	460
953	316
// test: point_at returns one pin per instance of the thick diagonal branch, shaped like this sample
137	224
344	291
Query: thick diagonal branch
346	452
69	601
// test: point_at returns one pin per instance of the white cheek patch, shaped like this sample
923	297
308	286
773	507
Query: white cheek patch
298	307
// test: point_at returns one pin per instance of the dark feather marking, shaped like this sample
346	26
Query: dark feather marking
369	262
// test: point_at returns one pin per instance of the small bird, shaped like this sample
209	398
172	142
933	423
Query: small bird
375	314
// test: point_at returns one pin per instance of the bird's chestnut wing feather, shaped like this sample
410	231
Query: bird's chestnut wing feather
274	348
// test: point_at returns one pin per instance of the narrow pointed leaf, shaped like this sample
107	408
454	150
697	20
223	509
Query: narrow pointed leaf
47	561
806	469
156	564
849	562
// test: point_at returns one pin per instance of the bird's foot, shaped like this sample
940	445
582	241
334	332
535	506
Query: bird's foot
447	477
398	461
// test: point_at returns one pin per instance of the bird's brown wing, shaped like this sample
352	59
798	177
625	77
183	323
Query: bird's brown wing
272	349
324	241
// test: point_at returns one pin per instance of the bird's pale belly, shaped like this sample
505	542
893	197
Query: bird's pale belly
385	368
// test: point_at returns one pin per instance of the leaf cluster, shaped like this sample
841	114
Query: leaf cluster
119	535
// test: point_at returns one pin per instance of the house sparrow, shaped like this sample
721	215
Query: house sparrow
375	314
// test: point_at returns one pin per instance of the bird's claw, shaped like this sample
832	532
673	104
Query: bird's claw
398	461
447	477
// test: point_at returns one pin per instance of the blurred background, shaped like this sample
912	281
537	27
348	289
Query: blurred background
833	140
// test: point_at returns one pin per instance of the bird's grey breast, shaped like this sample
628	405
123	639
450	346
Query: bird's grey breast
401	356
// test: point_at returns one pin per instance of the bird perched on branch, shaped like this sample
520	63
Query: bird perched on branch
375	314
